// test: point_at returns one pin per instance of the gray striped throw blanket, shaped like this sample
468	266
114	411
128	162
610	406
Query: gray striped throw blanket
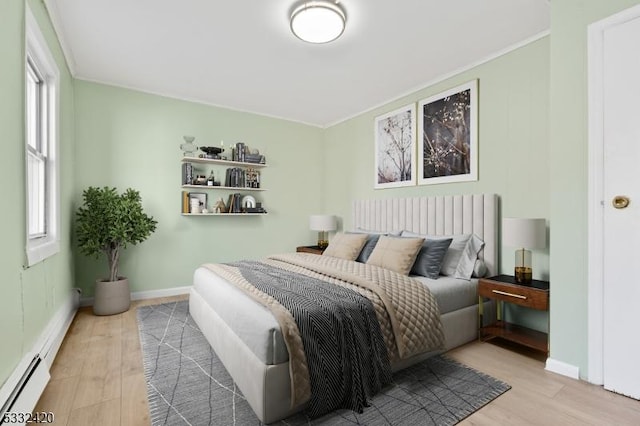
407	314
343	344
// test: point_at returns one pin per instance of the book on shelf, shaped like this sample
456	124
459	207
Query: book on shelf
234	204
230	205
235	177
187	173
185	202
240	147
238	203
254	158
239	152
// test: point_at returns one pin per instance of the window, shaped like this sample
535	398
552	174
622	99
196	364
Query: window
36	152
41	146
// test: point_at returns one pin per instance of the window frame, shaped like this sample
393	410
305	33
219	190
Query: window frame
39	57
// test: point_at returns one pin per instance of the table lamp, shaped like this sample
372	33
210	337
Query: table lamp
527	234
322	224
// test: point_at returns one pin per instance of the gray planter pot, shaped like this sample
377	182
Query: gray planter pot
111	297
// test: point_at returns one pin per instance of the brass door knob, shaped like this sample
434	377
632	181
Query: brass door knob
620	201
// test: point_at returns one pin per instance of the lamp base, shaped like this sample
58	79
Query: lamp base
523	274
522	270
323	241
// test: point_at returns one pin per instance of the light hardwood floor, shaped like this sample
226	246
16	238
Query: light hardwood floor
97	379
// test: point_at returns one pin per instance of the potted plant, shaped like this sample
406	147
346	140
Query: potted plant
107	223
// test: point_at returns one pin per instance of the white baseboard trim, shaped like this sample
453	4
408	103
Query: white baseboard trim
143	295
46	346
52	338
167	292
562	368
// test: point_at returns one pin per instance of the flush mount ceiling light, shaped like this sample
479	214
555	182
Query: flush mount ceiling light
318	21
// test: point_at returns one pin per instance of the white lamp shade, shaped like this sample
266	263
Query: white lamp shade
322	222
318	21
524	233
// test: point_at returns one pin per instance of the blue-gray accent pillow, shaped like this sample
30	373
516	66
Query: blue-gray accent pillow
430	258
372	240
366	251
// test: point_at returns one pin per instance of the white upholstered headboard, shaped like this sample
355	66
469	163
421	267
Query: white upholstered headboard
438	215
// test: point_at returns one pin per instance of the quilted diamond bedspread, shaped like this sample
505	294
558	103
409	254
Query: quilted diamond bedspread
407	312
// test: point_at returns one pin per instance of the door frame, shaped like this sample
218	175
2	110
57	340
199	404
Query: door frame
595	52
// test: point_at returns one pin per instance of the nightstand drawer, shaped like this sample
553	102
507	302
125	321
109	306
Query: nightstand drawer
516	294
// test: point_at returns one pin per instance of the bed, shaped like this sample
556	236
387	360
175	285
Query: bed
247	337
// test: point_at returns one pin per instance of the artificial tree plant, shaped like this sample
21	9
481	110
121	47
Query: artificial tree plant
107	223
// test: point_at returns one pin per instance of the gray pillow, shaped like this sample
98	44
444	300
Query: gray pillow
372	240
461	256
430	257
454	253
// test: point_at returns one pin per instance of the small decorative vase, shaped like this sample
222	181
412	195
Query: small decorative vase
188	148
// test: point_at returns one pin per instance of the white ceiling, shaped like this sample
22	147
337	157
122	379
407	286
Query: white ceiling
240	54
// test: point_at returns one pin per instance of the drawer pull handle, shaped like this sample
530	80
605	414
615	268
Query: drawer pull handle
504	293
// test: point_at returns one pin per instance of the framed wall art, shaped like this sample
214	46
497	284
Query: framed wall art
395	147
448	141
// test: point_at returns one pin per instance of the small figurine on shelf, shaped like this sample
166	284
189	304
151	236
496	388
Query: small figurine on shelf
211	180
220	207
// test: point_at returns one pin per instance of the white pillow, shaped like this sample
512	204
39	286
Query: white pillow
479	269
468	258
454	256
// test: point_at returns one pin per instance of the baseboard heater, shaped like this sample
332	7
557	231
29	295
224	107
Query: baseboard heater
24	396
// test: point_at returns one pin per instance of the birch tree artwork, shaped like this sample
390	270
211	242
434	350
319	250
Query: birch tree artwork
448	140
395	148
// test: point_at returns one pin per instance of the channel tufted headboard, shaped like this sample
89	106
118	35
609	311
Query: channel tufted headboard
437	215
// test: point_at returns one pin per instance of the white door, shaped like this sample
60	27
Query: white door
621	94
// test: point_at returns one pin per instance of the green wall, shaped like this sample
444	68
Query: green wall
29	297
569	173
131	139
513	141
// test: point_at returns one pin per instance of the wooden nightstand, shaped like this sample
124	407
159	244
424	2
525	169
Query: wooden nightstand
310	249
503	288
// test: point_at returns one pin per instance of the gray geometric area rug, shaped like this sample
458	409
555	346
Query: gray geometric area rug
188	385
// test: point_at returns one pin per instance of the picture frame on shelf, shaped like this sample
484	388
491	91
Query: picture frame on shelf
448	142
395	147
202	199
